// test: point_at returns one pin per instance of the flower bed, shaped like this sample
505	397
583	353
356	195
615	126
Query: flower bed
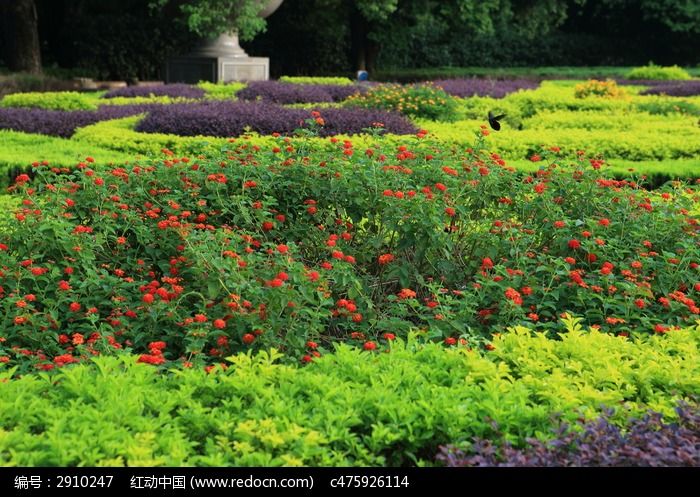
230	119
291	93
295	244
496	88
177	90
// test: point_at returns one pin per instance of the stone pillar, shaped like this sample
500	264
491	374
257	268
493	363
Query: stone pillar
221	60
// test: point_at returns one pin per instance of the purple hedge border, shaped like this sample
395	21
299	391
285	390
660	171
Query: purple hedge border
63	123
288	93
496	88
230	119
646	442
675	89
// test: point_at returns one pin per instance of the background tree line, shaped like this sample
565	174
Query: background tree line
118	39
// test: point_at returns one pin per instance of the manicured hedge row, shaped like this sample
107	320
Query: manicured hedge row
347	408
652	71
496	88
288	93
676	89
317	80
63	123
172	90
230	119
67	100
636	143
119	135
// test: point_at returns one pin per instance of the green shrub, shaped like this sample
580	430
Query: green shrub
8	203
652	71
595	88
424	101
619	121
152	99
639	142
347	408
221	91
68	100
119	135
22	149
317	80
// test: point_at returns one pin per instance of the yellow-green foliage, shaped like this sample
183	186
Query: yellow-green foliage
8	204
638	143
652	71
119	135
221	91
595	88
347	408
316	80
151	99
21	149
65	100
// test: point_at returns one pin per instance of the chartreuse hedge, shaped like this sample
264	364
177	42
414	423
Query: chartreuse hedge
21	149
349	407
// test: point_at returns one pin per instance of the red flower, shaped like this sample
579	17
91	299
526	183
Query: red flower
450	211
450	341
148	298
150	359
389	336
63	285
282	249
369	346
248	338
406	293
385	259
574	244
74	306
486	263
219	324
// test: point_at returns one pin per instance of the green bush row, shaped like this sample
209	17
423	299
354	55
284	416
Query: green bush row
317	80
67	100
643	143
652	71
219	91
22	149
639	142
347	408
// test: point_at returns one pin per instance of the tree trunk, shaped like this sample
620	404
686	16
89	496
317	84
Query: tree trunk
358	33
21	33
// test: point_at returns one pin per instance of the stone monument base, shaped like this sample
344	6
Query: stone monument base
192	69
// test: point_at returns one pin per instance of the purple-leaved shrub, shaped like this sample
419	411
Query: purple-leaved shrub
646	442
228	119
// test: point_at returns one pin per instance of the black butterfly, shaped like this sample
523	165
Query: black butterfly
493	120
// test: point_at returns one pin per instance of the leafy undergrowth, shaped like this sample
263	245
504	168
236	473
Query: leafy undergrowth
190	259
351	407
